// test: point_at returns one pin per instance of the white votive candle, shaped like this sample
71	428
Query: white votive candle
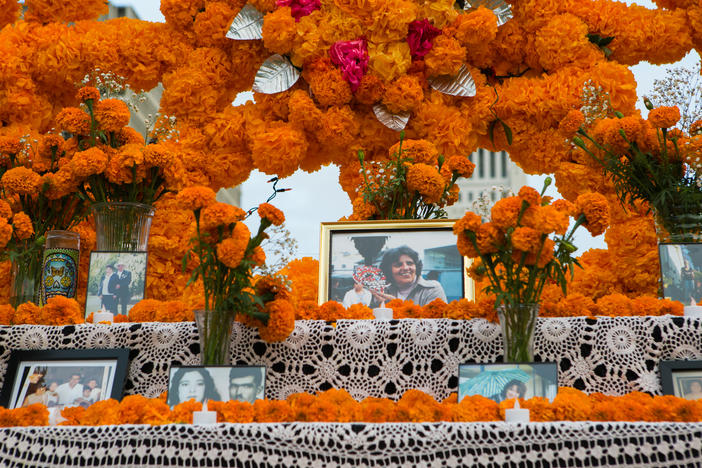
55	416
382	313
693	311
517	414
204	416
103	317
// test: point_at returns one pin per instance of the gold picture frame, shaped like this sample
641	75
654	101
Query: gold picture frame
432	240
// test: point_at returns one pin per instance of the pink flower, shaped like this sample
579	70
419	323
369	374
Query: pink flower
352	58
299	8
419	37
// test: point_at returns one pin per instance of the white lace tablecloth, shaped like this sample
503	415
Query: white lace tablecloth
573	444
384	359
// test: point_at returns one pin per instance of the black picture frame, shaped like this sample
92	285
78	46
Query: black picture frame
677	284
136	265
542	379
677	378
218	382
347	247
113	363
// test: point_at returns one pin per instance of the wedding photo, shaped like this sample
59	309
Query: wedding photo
116	281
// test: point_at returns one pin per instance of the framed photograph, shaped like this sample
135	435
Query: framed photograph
682	379
505	381
681	272
65	377
216	383
372	262
116	281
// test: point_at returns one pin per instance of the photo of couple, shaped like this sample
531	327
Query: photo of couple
116	281
216	383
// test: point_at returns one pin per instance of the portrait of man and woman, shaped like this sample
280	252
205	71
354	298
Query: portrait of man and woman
59	386
216	383
375	268
116	281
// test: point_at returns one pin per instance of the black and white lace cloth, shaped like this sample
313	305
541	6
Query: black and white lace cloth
384	359
328	445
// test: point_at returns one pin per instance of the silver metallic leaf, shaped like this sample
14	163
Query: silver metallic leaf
501	9
247	25
275	75
395	122
459	85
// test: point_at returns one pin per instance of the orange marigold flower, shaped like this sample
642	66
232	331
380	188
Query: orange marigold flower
88	162
258	256
273	287
488	238
88	92
5	210
5	232
419	151
73	120
7	312
596	210
461	165
220	214
272	411
530	195
505	212
664	117
564	206
50	144
362	210
526	239
21	181
271	213
446	56
144	310
281	321
571	123
469	222
100	413
27	313
137	409
425	180
182	413
403	94
196	198
279	30
32	415
9	145
466	247
112	114
696	128
232	249
22	226
233	411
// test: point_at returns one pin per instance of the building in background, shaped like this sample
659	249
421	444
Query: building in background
491	169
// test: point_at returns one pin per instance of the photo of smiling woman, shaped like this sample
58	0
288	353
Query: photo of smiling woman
191	383
403	269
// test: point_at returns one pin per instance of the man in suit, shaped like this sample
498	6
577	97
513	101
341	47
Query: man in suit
108	289
124	293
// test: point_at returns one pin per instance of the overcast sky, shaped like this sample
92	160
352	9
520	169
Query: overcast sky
317	197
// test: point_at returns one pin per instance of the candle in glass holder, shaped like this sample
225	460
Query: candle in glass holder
59	274
517	414
204	416
103	316
382	313
693	311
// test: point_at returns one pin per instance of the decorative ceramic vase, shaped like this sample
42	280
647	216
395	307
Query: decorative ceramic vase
215	331
122	226
517	322
26	278
59	271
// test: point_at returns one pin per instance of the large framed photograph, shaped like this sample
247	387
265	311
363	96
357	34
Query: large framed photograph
505	381
373	262
116	281
216	383
682	379
681	272
67	377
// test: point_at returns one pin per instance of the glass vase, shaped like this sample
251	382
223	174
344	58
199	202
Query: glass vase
59	272
678	228
122	226
517	322
214	328
26	278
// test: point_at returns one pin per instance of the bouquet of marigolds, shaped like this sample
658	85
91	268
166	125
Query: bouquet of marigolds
35	197
526	245
226	254
416	182
651	161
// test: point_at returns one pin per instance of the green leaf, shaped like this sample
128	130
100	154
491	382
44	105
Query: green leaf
491	131
508	132
604	41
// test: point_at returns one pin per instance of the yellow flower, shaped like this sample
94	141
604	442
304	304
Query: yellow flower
21	181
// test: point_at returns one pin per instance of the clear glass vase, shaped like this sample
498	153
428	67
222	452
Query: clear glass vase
678	228
214	328
518	322
122	226
26	278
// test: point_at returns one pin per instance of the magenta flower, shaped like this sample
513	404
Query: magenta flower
300	8
352	58
419	37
